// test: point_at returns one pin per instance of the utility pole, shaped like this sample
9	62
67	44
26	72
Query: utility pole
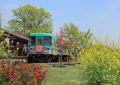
0	21
24	27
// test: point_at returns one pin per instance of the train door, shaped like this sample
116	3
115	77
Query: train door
39	41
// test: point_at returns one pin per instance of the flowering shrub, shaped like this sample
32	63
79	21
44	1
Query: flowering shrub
101	64
5	44
38	74
27	74
15	73
62	42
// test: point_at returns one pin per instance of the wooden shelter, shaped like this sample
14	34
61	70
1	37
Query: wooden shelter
15	38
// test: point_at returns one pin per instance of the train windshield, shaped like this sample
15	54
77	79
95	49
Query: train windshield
47	40
39	40
32	39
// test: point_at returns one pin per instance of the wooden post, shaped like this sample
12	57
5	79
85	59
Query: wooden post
67	59
59	61
22	55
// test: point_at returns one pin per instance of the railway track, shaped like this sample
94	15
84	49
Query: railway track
23	59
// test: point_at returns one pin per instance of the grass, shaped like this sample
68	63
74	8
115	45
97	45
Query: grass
70	75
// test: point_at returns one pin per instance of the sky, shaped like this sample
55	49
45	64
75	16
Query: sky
102	16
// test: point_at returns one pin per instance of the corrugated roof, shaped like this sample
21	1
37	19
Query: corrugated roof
16	35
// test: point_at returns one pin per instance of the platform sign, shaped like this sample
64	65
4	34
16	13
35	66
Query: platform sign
53	51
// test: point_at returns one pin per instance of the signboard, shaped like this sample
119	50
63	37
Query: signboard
39	48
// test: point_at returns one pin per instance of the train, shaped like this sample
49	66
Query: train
43	48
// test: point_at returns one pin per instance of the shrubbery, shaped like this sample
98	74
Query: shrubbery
101	64
21	74
5	47
15	73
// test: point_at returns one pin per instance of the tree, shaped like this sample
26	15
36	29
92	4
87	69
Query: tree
28	19
77	39
61	45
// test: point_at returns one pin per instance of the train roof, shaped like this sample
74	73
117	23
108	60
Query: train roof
41	34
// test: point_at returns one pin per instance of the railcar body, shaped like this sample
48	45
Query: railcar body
42	46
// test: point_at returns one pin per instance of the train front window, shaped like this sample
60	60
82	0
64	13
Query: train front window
32	40
39	41
47	40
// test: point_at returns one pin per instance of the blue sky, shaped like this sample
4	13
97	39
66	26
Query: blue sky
102	16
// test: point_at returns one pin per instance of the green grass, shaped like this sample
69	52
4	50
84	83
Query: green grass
70	75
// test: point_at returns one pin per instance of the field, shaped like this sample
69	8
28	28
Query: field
69	75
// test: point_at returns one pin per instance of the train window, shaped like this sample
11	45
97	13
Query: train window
40	40
47	40
32	40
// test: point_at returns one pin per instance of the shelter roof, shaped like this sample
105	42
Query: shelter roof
11	34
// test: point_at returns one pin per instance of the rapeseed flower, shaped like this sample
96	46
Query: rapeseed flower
102	62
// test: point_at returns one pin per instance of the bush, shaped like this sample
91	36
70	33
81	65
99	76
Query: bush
14	73
5	47
101	64
22	74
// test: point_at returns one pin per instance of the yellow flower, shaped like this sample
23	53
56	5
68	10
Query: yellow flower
7	40
117	61
17	48
109	69
2	46
6	26
9	51
12	41
1	31
17	42
117	72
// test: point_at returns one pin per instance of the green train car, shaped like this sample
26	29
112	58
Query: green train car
42	46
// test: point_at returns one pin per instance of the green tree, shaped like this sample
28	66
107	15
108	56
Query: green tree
28	19
77	39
